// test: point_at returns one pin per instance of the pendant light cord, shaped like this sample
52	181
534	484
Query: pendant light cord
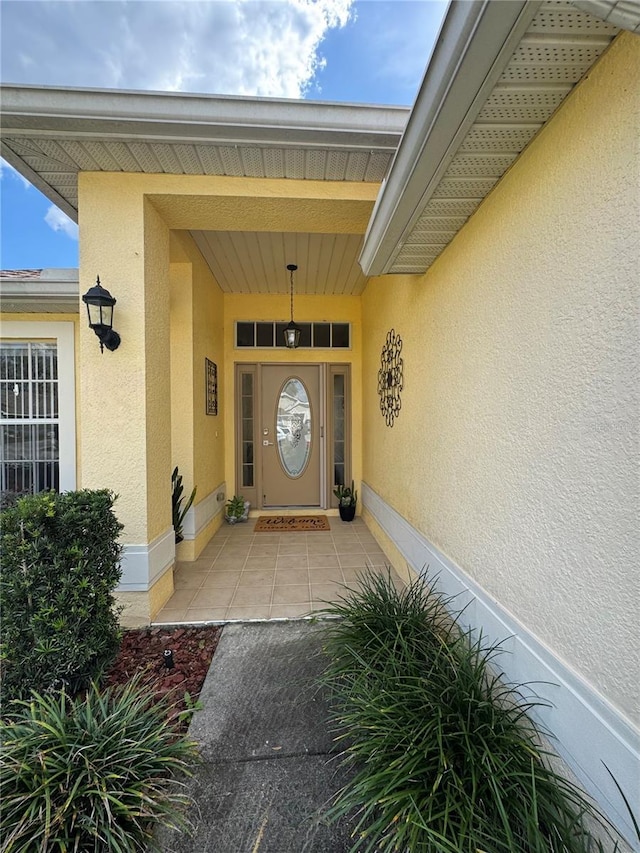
292	268
291	274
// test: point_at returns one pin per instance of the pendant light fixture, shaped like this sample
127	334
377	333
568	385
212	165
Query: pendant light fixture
291	332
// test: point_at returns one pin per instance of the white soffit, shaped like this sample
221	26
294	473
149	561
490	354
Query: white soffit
50	135
498	72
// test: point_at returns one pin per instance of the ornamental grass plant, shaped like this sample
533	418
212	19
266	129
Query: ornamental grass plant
95	773
444	755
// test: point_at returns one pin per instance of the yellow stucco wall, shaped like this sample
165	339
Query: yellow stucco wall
197	318
208	331
346	309
158	374
125	410
516	450
181	287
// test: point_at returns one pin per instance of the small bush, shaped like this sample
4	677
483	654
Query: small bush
97	773
445	756
60	567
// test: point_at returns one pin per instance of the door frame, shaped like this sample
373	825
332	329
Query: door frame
327	370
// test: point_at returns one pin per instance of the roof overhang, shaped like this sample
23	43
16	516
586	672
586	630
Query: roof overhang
499	70
45	290
49	135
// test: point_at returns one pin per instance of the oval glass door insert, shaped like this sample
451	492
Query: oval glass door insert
293	427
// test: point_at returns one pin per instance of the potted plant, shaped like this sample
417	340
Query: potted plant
347	500
237	509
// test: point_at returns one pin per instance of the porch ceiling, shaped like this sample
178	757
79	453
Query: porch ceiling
244	261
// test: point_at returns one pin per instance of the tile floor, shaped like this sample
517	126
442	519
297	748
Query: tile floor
246	575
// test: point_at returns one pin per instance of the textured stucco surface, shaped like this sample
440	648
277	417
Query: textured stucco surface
125	395
197	317
517	448
160	593
113	384
259	204
158	372
208	342
140	608
180	276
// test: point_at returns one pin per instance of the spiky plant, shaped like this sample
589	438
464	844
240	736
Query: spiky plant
91	774
445	757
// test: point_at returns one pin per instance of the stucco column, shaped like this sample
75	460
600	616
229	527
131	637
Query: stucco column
125	399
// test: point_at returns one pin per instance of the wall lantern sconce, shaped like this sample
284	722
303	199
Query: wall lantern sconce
100	304
291	332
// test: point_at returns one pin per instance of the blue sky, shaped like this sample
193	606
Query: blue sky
359	51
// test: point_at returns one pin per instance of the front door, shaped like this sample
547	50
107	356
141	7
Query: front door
290	434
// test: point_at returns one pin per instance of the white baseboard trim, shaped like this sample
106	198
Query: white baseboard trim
203	513
588	729
143	565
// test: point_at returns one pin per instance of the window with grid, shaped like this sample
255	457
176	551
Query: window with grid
29	421
267	335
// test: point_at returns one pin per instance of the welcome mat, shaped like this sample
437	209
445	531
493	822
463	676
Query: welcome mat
280	523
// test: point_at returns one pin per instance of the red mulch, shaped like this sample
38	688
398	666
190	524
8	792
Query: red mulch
142	651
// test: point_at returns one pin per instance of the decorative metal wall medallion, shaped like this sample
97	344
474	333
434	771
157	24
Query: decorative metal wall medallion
390	379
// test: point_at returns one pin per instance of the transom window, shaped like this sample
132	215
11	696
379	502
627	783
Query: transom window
267	335
29	423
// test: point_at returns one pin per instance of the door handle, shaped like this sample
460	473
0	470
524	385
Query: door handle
266	443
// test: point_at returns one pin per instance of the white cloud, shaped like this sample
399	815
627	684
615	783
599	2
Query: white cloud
245	47
13	173
59	221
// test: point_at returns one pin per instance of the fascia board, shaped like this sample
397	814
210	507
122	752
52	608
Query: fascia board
31	295
475	44
621	13
28	110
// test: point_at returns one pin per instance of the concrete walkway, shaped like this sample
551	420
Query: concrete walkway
269	762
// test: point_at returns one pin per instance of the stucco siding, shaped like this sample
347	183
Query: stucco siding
197	333
180	275
208	342
113	385
158	372
516	450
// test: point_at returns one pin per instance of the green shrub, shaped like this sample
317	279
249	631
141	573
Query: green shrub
445	756
60	567
91	774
